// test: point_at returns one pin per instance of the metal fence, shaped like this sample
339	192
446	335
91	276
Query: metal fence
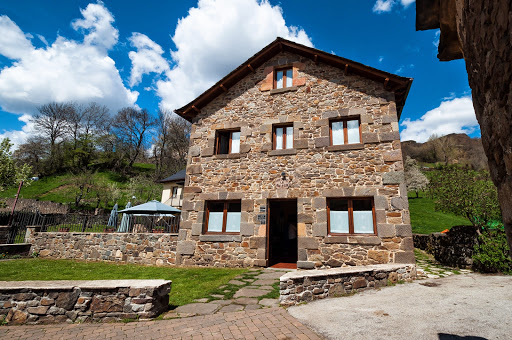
85	224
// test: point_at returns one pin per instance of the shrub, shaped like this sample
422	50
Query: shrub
491	253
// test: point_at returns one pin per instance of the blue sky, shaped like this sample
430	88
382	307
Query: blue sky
162	54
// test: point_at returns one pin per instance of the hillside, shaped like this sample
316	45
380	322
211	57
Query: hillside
453	148
102	188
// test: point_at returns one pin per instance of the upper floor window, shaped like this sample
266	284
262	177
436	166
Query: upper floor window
223	216
283	137
283	78
227	142
351	216
174	192
345	131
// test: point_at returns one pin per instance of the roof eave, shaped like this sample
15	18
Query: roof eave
399	85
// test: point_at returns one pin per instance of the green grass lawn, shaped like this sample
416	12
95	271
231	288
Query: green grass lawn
425	219
188	284
62	189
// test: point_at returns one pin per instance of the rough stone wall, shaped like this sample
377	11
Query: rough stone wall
4	234
480	31
454	248
150	249
314	170
485	32
300	287
33	305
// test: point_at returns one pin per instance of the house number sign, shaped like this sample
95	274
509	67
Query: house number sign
262	218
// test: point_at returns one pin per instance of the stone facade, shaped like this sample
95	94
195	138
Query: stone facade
314	170
148	249
33	302
297	287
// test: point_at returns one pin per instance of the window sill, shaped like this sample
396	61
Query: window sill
227	156
369	239
345	147
220	238
284	89
282	152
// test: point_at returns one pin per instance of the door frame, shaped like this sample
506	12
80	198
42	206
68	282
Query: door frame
269	200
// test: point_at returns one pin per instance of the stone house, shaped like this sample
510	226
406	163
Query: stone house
172	191
295	158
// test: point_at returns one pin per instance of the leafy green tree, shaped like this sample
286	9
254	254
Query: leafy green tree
10	174
466	193
144	189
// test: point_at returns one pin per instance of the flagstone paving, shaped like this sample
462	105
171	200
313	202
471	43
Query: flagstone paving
249	291
428	268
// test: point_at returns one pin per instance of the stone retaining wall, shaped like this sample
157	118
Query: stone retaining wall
42	302
454	248
144	248
21	249
4	234
305	286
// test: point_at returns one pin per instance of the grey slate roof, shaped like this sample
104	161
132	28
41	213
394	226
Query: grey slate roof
179	176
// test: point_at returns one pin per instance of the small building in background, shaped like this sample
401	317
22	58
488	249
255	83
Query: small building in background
172	193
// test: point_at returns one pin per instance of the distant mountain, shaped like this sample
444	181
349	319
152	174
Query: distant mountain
449	149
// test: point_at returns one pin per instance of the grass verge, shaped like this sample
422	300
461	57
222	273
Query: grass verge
425	219
188	284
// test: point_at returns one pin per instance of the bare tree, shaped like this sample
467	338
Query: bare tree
131	127
33	152
171	143
51	121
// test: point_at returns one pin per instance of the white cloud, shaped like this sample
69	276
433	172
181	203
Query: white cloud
97	23
456	115
19	137
66	70
436	38
384	6
214	38
13	43
381	58
406	3
147	59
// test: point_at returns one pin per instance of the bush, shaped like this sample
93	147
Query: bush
491	253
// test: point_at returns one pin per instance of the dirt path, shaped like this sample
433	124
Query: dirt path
474	306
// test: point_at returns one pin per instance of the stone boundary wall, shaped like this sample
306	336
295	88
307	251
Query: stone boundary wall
21	249
454	248
143	248
43	302
4	234
305	286
44	207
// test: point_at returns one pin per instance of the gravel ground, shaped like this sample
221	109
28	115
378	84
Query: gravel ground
470	307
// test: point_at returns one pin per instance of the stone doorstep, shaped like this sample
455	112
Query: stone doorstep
342	271
90	284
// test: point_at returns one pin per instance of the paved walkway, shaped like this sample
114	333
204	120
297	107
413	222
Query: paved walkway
429	268
268	323
256	289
